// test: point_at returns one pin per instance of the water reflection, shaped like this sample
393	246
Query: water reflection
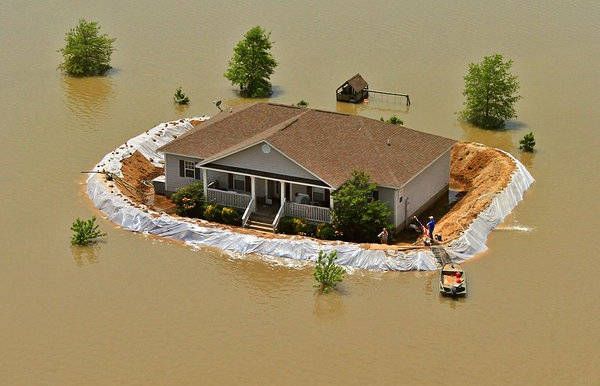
527	159
87	97
496	138
329	306
85	255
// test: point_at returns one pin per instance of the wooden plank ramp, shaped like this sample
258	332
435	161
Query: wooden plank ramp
440	254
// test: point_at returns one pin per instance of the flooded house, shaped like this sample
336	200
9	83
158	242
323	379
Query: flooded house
271	160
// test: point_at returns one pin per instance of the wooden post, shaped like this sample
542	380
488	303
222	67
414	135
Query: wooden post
282	195
253	187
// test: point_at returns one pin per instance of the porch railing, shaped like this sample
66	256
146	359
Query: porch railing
309	212
248	212
278	217
225	198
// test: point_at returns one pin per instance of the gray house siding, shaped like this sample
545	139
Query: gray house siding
173	180
273	162
427	186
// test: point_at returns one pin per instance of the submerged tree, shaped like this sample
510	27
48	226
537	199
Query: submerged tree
85	231
86	51
252	64
302	103
394	119
356	214
327	272
180	98
527	143
491	92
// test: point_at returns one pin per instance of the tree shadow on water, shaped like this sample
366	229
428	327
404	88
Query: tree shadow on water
87	97
329	306
85	255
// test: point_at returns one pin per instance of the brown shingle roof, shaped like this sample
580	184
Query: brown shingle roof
330	145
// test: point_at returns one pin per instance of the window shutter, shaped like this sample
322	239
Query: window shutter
309	192
181	168
230	180
248	183
197	173
327	196
288	191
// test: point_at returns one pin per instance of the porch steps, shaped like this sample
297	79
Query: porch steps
260	223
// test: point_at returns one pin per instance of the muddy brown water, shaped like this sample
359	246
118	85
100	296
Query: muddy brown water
140	311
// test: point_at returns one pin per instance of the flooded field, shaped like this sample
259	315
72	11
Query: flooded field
141	311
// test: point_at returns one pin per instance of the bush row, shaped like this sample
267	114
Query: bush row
300	226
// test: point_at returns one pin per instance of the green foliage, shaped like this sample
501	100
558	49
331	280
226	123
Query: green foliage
395	120
212	212
85	231
252	64
189	200
302	103
325	231
86	51
527	143
327	272
491	92
293	226
230	216
180	98
356	215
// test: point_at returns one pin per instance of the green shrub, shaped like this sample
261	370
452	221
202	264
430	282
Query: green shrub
85	231
180	98
302	103
325	231
230	216
395	120
356	215
527	143
189	200
86	52
212	212
295	226
327	273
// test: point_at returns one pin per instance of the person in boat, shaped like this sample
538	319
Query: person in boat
431	227
383	236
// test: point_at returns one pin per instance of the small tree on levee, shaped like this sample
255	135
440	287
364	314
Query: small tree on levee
327	272
252	64
491	92
87	52
85	231
527	143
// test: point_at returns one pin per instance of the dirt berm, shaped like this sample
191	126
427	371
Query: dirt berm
476	170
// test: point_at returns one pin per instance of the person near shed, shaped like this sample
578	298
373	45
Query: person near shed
431	227
383	236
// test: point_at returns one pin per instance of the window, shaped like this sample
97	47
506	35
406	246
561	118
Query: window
375	195
239	183
318	194
188	167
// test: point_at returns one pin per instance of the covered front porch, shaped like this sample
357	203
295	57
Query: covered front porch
267	197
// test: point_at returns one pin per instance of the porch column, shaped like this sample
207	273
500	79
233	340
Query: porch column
253	187
330	199
282	195
205	183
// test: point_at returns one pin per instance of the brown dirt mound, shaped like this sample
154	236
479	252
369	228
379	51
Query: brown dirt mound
480	172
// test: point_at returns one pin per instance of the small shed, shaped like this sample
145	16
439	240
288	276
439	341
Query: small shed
354	90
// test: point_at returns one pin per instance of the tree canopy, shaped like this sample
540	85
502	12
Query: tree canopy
356	214
86	51
491	92
252	64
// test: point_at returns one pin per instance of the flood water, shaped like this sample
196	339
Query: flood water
139	311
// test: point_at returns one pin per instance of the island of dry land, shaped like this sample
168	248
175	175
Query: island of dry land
477	172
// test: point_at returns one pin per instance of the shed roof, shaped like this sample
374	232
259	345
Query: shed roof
330	145
357	82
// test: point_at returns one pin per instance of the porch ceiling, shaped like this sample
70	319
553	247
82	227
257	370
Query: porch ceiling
272	176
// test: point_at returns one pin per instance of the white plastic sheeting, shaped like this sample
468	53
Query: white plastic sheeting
120	210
